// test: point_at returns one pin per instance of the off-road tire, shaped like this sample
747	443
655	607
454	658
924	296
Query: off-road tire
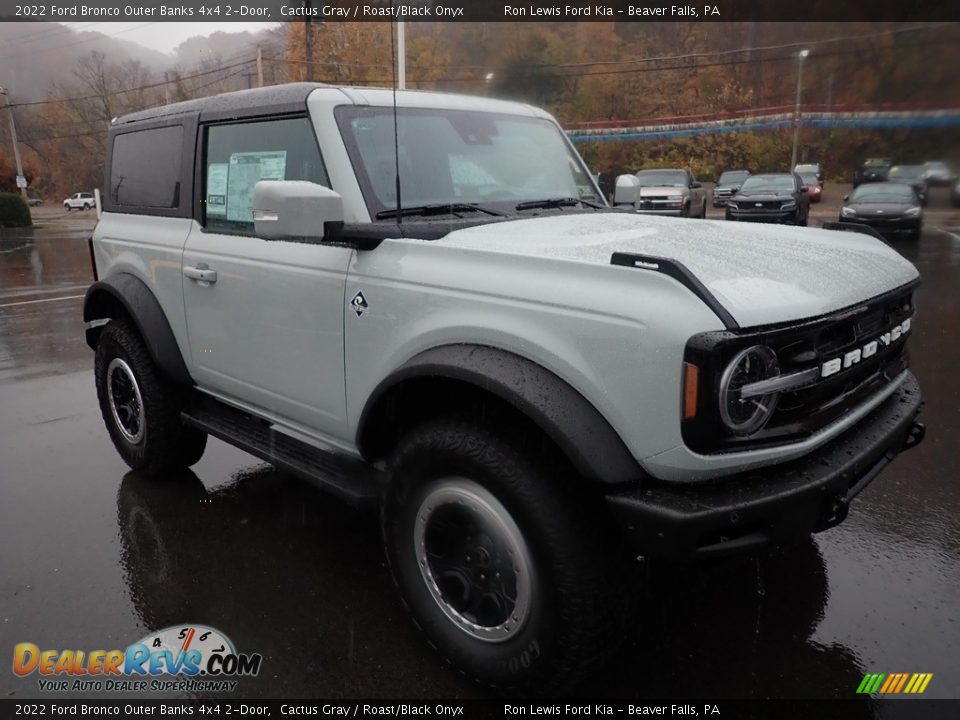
166	444
582	584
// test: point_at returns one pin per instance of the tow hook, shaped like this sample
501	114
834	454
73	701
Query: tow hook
915	435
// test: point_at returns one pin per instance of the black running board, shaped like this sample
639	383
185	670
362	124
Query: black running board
352	479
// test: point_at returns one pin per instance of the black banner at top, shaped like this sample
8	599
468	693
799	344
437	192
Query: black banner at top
482	10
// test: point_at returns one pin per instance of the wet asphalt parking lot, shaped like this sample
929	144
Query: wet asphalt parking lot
93	556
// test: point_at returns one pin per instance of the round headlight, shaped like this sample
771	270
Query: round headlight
746	415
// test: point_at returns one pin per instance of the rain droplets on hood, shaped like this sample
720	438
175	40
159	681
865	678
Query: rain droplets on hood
751	268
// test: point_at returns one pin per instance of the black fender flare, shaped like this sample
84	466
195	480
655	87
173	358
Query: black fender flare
126	292
561	412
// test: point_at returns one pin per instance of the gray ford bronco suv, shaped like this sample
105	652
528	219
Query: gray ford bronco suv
424	303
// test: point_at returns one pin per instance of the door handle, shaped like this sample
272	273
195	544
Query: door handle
201	273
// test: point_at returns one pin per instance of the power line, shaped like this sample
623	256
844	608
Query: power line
133	89
95	133
99	36
762	48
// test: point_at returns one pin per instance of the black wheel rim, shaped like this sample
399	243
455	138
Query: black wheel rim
126	403
473	559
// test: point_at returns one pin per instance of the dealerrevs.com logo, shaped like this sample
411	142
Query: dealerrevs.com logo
181	658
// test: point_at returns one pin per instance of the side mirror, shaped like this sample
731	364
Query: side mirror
626	191
846	197
696	184
294	210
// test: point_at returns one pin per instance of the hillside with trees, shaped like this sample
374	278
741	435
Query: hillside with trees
579	71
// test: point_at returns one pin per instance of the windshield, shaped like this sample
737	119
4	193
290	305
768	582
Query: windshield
907	172
809	178
662	178
768	184
459	157
732	177
883	193
877	162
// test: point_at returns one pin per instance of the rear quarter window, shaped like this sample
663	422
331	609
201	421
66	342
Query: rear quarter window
145	168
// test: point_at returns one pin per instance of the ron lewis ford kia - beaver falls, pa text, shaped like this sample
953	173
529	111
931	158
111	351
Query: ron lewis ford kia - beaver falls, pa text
424	302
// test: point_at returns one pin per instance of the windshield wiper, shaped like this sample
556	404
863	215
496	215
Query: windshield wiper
556	203
436	209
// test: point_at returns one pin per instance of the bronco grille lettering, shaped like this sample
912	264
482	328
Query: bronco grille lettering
851	358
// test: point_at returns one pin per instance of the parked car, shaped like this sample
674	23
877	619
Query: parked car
671	191
889	208
807	168
531	387
727	186
811	186
80	201
771	197
938	173
34	201
913	175
872	170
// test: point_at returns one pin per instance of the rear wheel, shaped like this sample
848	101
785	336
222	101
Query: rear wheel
510	571
140	408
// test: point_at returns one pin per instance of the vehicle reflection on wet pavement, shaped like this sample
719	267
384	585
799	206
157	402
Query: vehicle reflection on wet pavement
94	556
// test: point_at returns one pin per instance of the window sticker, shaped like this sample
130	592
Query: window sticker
217	189
245	170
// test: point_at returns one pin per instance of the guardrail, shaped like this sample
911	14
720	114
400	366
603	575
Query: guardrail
761	119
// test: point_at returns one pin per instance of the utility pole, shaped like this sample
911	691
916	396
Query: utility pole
308	39
259	67
16	146
401	56
166	86
801	56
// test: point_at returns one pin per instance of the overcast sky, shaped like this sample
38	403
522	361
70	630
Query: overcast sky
165	36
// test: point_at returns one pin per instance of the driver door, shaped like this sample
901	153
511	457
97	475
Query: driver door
264	318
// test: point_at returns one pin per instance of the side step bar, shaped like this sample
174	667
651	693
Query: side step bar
353	480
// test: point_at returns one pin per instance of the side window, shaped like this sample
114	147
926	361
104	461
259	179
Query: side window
145	168
241	154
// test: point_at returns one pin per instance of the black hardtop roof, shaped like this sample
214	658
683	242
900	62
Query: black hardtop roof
272	100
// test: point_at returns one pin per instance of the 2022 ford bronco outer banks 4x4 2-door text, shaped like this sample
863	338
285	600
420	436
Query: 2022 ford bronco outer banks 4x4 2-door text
445	318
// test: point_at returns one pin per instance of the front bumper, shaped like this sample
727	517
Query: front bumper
888	226
769	216
669	212
774	505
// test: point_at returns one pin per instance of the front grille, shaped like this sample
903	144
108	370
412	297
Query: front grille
803	412
759	205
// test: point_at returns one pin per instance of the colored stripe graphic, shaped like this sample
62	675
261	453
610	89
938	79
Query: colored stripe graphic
894	683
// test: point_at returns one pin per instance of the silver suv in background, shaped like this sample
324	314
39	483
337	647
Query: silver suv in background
668	191
727	186
80	201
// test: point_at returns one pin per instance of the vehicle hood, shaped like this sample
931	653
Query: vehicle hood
763	197
656	191
891	209
760	274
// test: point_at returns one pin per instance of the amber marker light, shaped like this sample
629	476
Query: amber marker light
691	381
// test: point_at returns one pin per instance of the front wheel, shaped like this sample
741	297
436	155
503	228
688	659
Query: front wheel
510	571
66	207
140	408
